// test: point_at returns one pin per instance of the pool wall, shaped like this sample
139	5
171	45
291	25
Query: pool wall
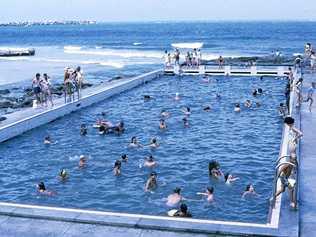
21	122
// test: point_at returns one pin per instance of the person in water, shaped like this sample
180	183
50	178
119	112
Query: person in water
248	103
83	130
82	161
207	108
255	92
117	168
250	191
230	178
119	128
42	189
214	169
150	162
164	114
162	124
185	122
63	175
47	140
174	198
134	143
154	143
237	108
177	97
183	211
124	158
186	111
259	91
209	194
151	183
147	97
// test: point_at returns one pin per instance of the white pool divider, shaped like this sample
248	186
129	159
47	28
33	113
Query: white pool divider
22	123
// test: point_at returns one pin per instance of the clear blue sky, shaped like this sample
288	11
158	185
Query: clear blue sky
156	10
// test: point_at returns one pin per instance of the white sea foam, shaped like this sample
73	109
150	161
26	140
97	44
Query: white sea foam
137	43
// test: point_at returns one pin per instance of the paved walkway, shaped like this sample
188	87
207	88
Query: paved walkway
26	227
308	166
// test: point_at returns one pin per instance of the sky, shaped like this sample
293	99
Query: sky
157	10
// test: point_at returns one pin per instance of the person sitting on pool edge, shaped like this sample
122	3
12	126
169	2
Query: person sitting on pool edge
209	193
151	183
174	198
134	143
150	162
214	169
117	168
183	211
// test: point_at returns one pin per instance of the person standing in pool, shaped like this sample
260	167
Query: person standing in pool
117	168
134	143
150	162
250	191
209	193
174	198
214	169
162	124
151	183
42	189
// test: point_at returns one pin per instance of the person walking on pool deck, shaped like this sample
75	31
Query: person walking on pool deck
310	94
36	86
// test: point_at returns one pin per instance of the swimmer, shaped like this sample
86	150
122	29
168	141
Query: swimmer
151	183
250	190
237	108
83	130
209	193
214	169
255	92
248	103
47	140
164	114
150	162
153	143
260	91
134	143
119	128
174	198
229	178
177	97
207	108
186	111
117	168
82	161
183	211
206	79
147	97
63	175
42	189
258	104
162	124
282	110
185	122
124	158
218	96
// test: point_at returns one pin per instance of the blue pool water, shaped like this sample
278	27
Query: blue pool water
245	144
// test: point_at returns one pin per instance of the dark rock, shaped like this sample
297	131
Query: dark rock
27	102
2	118
86	85
4	92
6	104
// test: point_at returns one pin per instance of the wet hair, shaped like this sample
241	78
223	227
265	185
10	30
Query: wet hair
41	186
248	187
260	90
124	157
147	97
237	105
210	189
207	108
151	158
117	164
133	138
255	92
63	173
213	165
188	109
281	104
177	190
154	140
103	113
183	208
289	120
83	125
153	174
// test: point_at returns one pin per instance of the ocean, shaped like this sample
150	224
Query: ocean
108	50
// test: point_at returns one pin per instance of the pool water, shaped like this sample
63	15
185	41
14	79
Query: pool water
245	144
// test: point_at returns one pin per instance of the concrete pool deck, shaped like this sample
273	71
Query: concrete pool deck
17	220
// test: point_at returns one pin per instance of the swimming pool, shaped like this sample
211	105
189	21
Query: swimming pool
245	144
